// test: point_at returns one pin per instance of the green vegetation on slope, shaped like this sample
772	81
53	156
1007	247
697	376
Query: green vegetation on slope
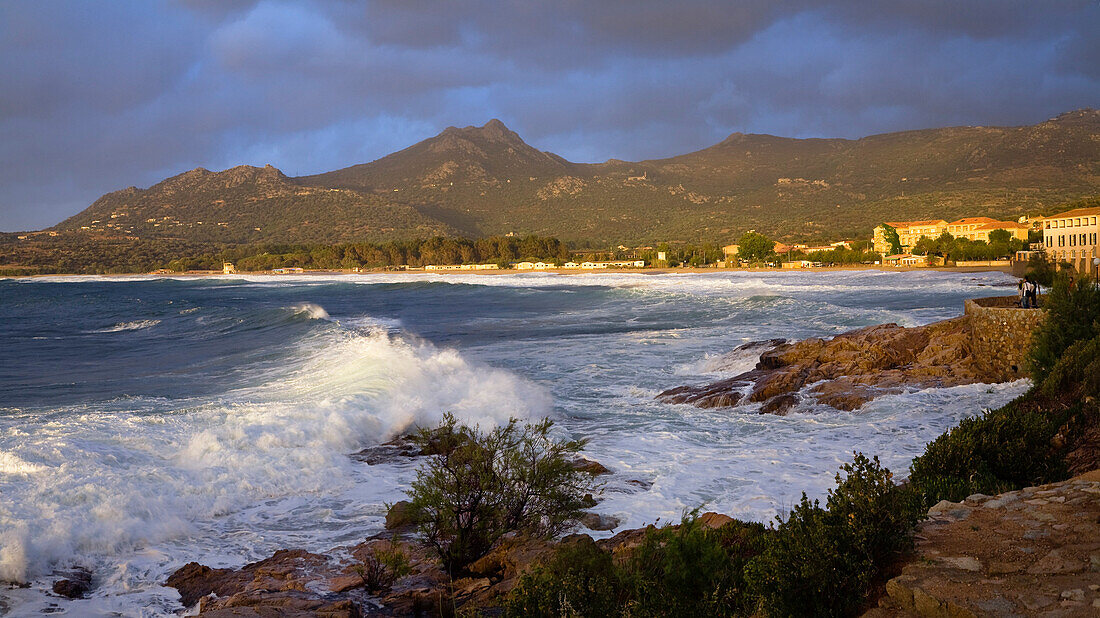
481	181
827	561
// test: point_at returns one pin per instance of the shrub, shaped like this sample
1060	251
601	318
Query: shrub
381	568
1072	315
1002	450
692	570
479	486
1076	375
822	562
579	579
683	570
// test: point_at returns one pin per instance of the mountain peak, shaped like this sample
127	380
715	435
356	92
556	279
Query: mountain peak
494	131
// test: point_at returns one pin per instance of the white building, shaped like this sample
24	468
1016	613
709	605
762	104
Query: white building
1071	237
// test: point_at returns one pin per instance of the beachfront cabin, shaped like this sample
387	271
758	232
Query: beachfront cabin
570	265
228	268
542	266
1071	237
524	266
798	264
907	259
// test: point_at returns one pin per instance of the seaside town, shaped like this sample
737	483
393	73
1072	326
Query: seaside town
1067	240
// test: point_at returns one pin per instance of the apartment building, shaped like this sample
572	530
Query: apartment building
1071	237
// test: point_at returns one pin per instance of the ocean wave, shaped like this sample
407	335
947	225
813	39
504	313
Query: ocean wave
314	312
132	325
193	468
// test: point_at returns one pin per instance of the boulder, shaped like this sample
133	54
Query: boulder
595	468
780	404
75	586
400	516
598	522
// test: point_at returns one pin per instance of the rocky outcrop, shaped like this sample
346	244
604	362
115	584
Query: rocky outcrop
848	370
1032	552
336	584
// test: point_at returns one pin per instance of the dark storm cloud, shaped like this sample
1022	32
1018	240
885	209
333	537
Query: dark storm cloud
98	96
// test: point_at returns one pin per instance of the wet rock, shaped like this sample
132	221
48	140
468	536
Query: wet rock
75	586
743	351
195	581
400	516
599	522
388	452
851	369
780	404
594	468
786	380
724	393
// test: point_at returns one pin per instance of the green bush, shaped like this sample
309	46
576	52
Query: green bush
579	579
478	486
822	562
1076	375
381	568
692	570
1001	450
683	570
1072	315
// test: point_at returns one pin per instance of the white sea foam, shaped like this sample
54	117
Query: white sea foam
133	325
94	485
315	312
226	479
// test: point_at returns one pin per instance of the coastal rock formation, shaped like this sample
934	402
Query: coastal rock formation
848	370
335	584
1030	552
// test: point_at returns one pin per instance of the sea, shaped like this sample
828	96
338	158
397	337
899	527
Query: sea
146	422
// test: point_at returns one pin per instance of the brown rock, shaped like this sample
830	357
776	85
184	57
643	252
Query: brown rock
400	515
195	581
75	586
782	381
594	468
851	369
596	521
714	520
780	404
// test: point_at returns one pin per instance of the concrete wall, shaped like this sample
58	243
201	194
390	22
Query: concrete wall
1000	334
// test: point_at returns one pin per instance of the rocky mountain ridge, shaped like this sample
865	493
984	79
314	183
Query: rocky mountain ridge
481	181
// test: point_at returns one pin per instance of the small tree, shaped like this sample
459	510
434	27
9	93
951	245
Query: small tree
479	486
755	247
891	236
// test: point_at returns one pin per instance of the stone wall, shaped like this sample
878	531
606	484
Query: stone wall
1000	334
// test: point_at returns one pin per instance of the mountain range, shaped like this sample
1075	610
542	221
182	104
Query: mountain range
481	181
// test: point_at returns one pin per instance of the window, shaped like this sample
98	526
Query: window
1073	240
1084	240
1050	241
1048	224
1061	240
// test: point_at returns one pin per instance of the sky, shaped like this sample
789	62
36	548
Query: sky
96	96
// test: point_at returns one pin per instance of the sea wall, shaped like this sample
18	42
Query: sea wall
1000	334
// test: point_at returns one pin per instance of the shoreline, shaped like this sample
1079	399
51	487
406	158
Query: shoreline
554	271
